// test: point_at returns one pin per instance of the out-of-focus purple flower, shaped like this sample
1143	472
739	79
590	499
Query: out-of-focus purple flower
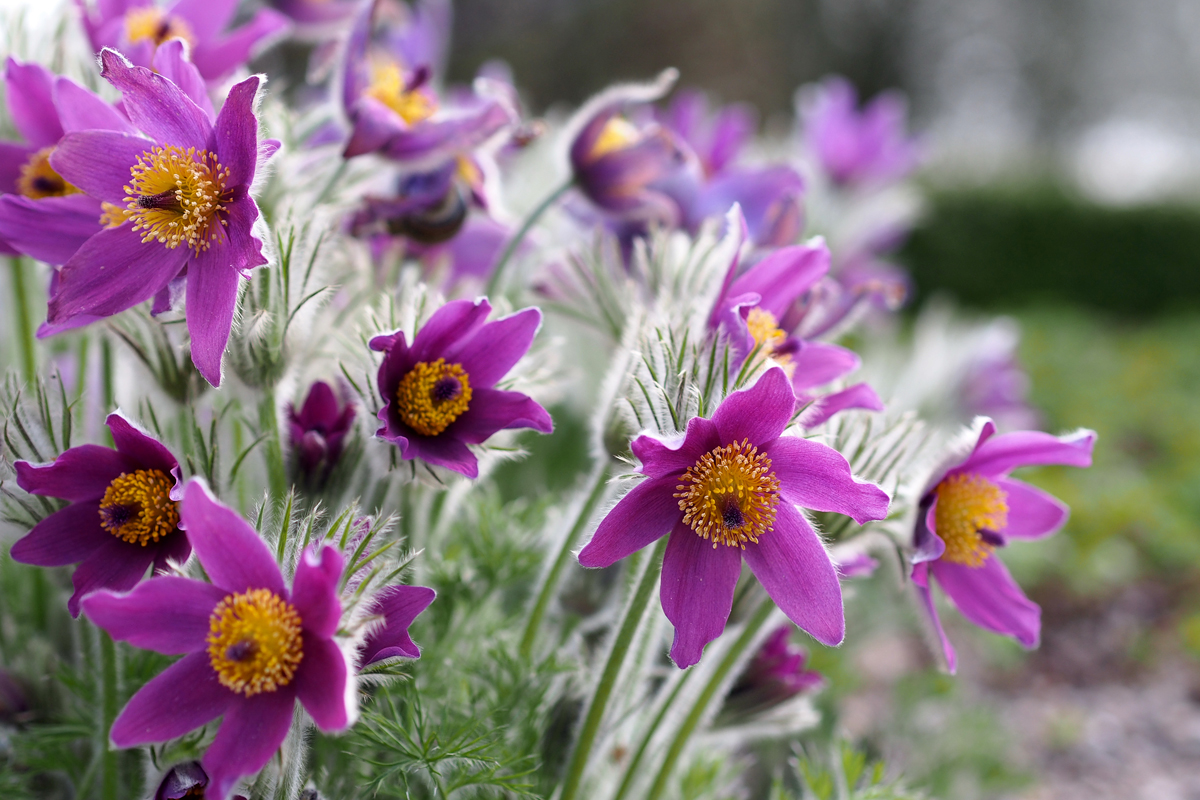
439	393
250	647
316	13
176	199
185	780
775	675
391	105
996	386
137	28
122	519
853	146
971	508
41	214
14	703
317	432
728	490
615	162
399	606
429	208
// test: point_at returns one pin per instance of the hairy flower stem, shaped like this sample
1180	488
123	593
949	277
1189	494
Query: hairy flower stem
631	770
599	482
23	320
630	621
498	272
268	424
705	699
109	701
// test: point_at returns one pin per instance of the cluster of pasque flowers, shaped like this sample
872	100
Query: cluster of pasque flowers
153	199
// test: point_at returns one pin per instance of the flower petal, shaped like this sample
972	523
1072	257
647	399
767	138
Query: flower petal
171	61
859	396
180	699
116	565
643	515
399	605
818	363
323	684
315	590
236	130
793	566
67	536
1000	454
253	729
212	292
759	413
440	450
920	578
374	125
13	157
989	597
449	325
660	458
215	61
698	580
30	95
99	162
84	110
432	142
492	410
167	614
816	476
81	473
206	18
783	276
231	552
155	105
1032	513
51	229
139	446
496	347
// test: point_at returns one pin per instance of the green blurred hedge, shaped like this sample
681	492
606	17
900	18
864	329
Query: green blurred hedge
1012	246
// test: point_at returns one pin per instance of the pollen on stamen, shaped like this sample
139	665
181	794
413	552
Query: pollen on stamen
970	510
432	395
411	104
730	495
38	179
254	642
175	197
768	337
137	507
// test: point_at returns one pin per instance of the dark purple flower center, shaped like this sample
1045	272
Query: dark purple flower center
165	199
729	495
137	507
445	389
733	517
117	516
241	650
432	395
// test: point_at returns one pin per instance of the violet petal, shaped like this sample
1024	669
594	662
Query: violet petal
229	549
642	516
989	597
323	684
698	580
816	476
1032	513
168	614
67	536
178	700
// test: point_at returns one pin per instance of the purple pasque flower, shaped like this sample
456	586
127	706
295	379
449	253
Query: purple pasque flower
439	393
776	674
41	214
123	516
853	146
616	161
176	198
251	647
730	489
390	102
974	507
183	781
428	208
317	432
399	606
137	28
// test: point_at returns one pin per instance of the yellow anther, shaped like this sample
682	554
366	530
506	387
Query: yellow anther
151	23
730	495
254	642
137	507
38	179
768	337
176	197
617	134
432	395
388	87
967	504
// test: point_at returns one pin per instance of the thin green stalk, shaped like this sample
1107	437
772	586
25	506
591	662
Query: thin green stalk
700	707
109	775
333	180
639	754
23	320
268	424
513	243
612	669
599	482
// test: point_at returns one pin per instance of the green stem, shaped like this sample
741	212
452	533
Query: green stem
333	180
23	320
612	669
700	707
513	243
268	423
636	761
599	482
109	776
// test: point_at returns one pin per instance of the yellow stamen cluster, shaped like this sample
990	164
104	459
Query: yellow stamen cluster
388	87
767	335
176	196
254	642
432	395
617	134
137	507
730	495
150	23
38	179
966	504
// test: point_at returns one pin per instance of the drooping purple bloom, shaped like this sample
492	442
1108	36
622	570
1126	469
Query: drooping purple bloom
318	431
974	507
439	393
853	146
730	489
176	199
776	674
122	518
996	386
137	28
183	781
251	647
399	606
428	208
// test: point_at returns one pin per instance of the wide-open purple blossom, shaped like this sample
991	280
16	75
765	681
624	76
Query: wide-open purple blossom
251	647
399	606
853	146
122	518
730	489
439	392
974	507
175	198
41	214
318	430
137	28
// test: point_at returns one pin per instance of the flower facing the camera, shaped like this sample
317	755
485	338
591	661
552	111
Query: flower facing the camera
251	646
730	490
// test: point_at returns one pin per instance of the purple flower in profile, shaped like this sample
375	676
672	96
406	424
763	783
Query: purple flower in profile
776	674
439	393
317	432
250	647
429	208
177	198
183	781
728	490
399	606
122	518
137	28
973	507
853	146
